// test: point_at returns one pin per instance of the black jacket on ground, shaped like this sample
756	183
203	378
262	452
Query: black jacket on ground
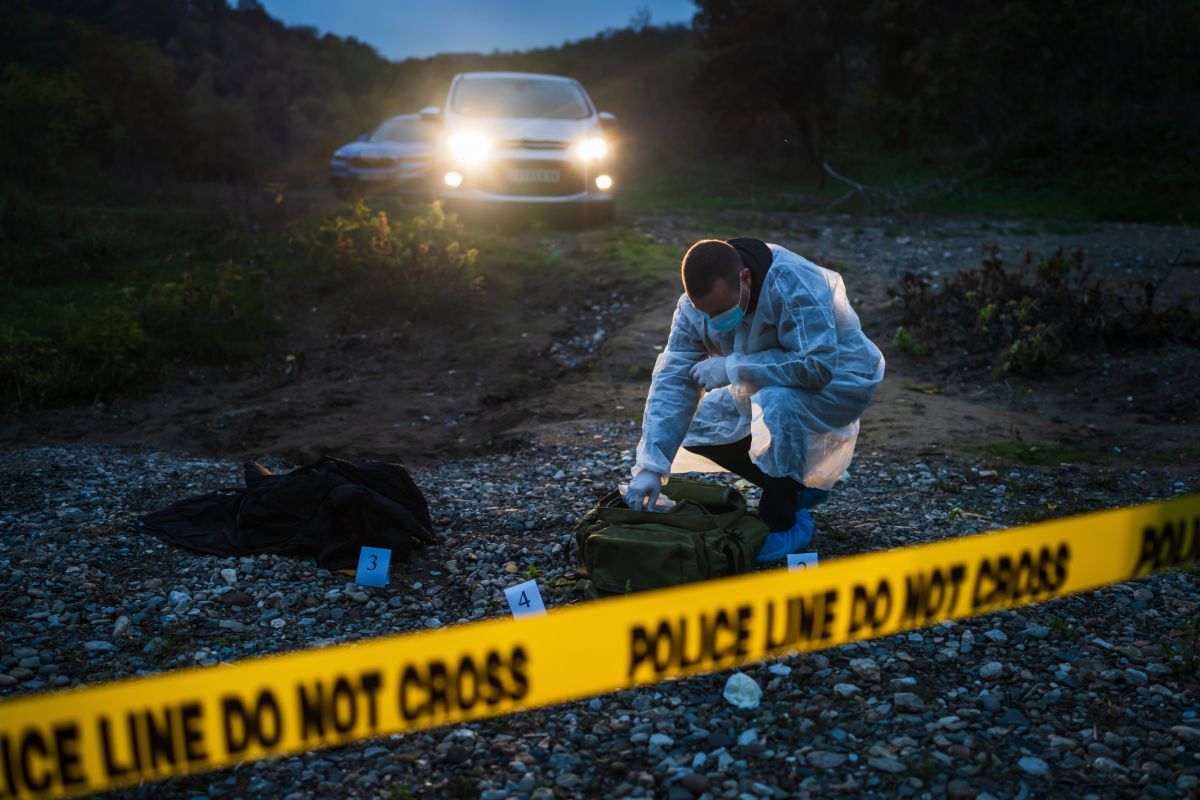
327	510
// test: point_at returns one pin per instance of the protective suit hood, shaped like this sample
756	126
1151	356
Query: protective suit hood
756	257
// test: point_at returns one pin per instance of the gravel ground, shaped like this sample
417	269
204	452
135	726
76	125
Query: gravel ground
1084	696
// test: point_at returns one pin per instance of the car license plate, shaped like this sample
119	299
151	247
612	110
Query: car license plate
534	175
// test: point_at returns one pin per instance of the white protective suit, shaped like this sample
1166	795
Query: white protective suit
801	373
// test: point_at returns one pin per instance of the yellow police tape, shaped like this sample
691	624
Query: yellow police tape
145	729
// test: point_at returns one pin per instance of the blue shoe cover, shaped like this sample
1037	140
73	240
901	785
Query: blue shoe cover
793	540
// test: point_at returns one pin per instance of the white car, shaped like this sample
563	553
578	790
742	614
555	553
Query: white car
523	138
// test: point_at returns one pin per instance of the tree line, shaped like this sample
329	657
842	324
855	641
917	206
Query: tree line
201	90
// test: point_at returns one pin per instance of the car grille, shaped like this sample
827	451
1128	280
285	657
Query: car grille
503	179
369	162
532	144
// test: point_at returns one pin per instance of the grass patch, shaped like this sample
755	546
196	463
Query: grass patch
922	388
1042	454
636	255
1169	456
1065	189
95	301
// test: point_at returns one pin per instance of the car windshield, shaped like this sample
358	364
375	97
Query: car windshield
406	129
519	97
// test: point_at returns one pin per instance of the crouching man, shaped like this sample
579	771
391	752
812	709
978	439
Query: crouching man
766	372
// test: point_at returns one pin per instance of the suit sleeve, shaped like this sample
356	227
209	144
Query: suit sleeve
673	397
808	351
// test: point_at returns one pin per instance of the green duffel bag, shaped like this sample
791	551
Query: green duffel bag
708	533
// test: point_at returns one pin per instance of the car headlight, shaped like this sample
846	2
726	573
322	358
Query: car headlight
592	149
469	148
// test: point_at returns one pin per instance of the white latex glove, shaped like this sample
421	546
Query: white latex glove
643	490
710	373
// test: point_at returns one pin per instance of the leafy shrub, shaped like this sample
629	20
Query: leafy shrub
208	312
43	244
122	336
96	354
1033	316
414	267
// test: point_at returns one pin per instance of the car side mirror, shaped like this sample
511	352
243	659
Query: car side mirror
431	114
607	120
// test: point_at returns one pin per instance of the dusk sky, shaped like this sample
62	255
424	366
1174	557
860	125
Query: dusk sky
402	28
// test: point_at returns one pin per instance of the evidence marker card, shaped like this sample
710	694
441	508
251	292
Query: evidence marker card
801	561
373	563
525	599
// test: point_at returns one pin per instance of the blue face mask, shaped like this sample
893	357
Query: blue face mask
728	320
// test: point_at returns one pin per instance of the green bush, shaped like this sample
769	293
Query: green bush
413	267
95	355
118	338
207	312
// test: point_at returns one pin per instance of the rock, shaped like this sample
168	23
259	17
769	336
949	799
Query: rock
748	738
885	764
846	690
696	783
1032	765
718	739
823	759
1013	717
1136	677
7	680
780	670
661	740
120	627
907	701
989	700
991	670
1106	765
1186	733
99	646
176	598
742	691
996	635
960	789
865	668
236	598
229	575
568	780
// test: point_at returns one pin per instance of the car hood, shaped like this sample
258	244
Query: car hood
565	130
382	150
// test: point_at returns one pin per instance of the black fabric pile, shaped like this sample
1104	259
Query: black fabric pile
327	510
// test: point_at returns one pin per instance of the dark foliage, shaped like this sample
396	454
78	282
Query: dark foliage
1031	318
1028	82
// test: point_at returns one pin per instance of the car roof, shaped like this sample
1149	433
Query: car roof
536	75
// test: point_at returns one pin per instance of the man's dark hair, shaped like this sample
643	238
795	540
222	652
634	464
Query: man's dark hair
706	262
